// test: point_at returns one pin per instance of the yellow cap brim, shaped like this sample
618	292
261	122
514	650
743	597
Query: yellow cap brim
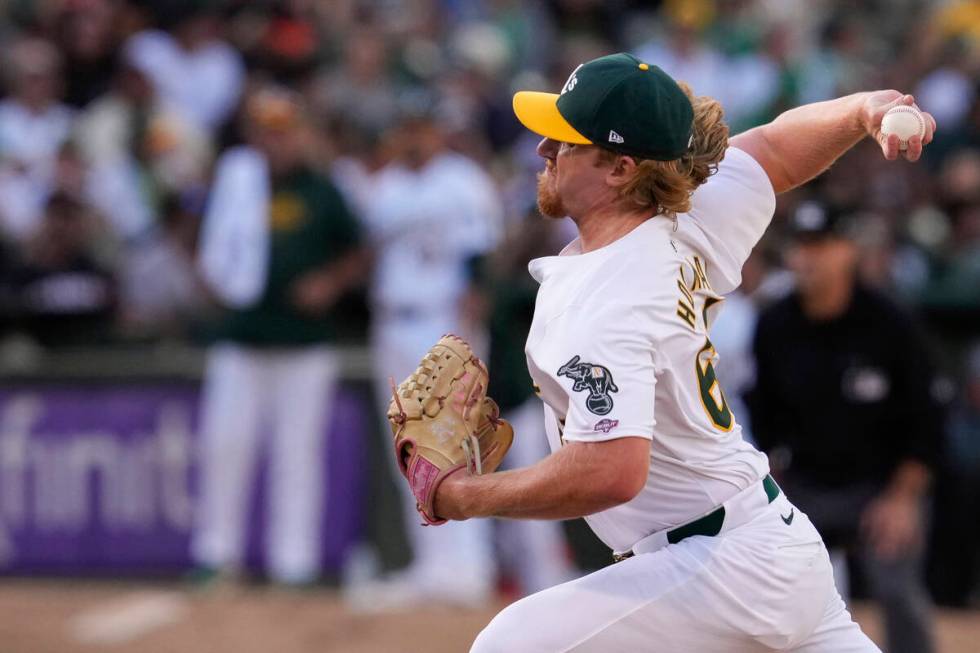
539	113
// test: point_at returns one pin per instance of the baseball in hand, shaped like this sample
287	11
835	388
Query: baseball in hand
905	122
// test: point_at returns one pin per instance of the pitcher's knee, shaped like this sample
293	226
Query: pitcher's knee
511	631
495	638
486	642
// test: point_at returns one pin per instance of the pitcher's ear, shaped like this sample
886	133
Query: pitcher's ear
622	171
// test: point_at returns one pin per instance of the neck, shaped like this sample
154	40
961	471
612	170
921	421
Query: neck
830	303
281	170
606	225
36	106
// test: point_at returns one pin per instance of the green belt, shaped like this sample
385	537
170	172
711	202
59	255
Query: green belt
711	523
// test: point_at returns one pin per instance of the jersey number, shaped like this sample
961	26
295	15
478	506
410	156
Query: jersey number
712	396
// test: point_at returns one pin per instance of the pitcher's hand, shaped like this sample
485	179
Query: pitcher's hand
876	106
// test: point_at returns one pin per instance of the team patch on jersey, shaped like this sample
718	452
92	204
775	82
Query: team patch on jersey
597	379
605	425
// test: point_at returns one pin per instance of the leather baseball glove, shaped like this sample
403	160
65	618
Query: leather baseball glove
443	422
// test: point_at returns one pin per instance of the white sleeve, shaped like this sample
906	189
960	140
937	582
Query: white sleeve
233	256
732	210
609	376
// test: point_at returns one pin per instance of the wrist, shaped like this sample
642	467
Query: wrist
864	113
450	499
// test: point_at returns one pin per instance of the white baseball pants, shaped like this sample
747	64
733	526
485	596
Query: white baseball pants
292	390
764	586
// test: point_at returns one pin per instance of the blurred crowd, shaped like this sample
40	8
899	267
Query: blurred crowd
114	113
116	117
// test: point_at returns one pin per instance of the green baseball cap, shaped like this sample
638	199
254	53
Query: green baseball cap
617	102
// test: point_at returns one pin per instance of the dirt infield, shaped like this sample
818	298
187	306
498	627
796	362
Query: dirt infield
60	617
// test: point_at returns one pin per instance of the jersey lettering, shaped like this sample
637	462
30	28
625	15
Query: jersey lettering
708	303
700	278
685	305
697	286
712	397
686	313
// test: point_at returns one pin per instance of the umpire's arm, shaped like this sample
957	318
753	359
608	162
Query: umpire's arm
918	415
772	419
803	142
893	521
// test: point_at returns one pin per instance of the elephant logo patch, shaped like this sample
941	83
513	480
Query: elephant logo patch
597	379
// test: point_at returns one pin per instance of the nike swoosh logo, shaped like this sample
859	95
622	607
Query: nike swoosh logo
788	520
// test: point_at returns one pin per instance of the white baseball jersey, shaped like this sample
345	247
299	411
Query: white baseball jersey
619	347
425	224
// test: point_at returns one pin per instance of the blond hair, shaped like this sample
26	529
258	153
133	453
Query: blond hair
668	185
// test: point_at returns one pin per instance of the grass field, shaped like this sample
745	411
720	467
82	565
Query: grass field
86	617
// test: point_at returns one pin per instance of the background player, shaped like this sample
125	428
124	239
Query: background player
280	248
433	212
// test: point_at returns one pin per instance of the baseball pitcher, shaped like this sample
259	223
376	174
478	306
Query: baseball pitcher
712	555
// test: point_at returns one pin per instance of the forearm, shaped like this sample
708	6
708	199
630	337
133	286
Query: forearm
572	482
348	270
356	266
803	142
538	492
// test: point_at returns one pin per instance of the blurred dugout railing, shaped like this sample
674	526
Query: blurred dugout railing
21	361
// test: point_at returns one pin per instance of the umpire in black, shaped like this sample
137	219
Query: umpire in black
843	406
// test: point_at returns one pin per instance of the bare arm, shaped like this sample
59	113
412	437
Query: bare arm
318	290
579	479
803	142
893	521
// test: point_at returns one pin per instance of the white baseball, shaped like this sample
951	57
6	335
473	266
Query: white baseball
905	122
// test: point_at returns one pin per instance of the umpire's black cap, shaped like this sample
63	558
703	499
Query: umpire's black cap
814	220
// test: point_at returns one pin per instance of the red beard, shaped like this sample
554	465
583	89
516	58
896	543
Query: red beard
549	202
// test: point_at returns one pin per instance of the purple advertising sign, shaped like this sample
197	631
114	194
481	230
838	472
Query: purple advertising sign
103	478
